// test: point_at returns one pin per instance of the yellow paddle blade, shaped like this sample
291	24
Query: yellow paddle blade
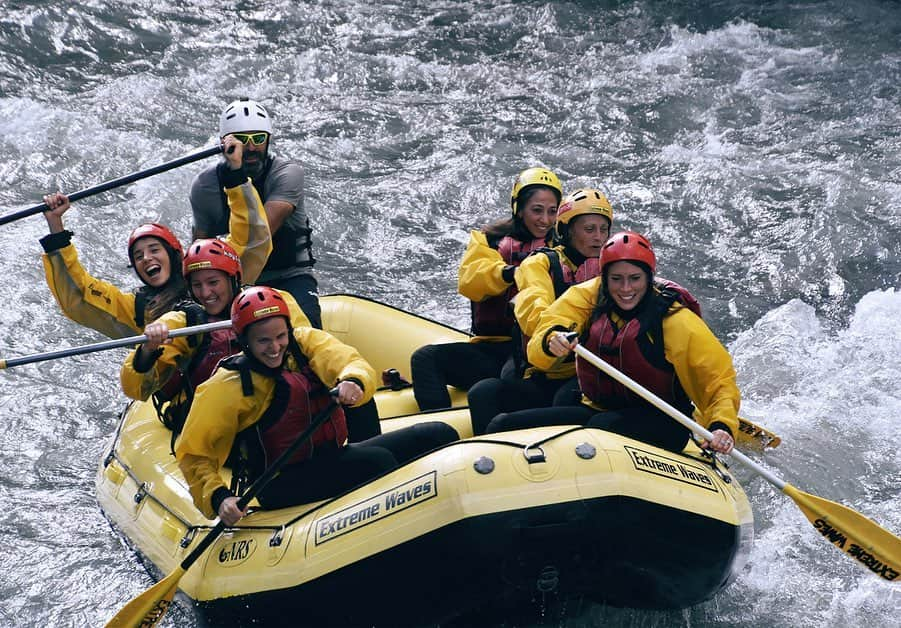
865	541
146	610
750	433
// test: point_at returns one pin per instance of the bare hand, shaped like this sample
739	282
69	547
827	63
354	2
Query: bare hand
349	393
157	334
233	151
58	204
229	512
560	346
722	443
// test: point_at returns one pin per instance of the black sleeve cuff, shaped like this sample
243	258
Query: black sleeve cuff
55	241
219	496
355	381
232	178
508	273
716	425
547	338
143	362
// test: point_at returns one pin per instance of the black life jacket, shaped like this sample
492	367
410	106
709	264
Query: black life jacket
637	350
493	316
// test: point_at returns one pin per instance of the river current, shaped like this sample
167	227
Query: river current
758	145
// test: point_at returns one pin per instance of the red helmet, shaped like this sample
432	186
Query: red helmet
630	247
153	230
212	254
255	304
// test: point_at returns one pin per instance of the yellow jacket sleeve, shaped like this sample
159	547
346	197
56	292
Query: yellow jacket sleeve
704	368
248	229
571	312
87	300
535	291
333	361
480	270
298	318
219	411
140	385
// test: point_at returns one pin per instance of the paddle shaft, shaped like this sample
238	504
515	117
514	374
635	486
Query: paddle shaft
114	183
148	609
110	344
261	482
663	406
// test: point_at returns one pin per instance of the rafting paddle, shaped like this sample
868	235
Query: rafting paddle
109	344
146	610
752	434
114	183
865	541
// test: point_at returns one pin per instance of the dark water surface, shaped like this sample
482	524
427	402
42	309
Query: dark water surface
757	144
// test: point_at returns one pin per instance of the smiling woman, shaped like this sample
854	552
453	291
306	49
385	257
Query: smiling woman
155	254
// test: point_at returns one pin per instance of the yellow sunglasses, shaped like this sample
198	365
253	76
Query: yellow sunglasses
257	139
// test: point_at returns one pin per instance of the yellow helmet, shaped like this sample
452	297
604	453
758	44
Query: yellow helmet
582	201
534	176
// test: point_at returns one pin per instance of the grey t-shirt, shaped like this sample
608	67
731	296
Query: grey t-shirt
284	182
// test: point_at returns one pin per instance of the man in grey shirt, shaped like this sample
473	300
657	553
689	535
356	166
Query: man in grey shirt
279	183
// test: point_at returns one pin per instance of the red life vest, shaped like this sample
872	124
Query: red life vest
493	316
636	350
215	346
563	276
293	407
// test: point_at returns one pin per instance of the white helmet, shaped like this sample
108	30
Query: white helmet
242	116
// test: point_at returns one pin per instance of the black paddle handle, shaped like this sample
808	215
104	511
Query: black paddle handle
109	185
264	479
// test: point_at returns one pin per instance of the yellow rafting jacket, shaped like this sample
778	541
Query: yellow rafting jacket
178	354
536	293
101	306
480	270
701	362
220	410
479	277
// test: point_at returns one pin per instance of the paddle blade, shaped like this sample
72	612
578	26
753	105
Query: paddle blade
865	541
146	610
750	433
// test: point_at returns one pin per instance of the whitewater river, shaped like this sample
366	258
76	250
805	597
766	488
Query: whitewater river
757	144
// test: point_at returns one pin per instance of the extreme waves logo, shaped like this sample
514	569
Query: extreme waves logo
868	560
406	495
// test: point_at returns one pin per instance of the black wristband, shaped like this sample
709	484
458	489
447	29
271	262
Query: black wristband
143	362
547	338
219	496
716	425
508	273
231	178
55	241
355	381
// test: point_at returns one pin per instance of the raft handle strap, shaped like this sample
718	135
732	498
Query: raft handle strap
534	457
188	537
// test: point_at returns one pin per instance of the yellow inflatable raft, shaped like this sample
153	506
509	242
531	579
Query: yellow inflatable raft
484	522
